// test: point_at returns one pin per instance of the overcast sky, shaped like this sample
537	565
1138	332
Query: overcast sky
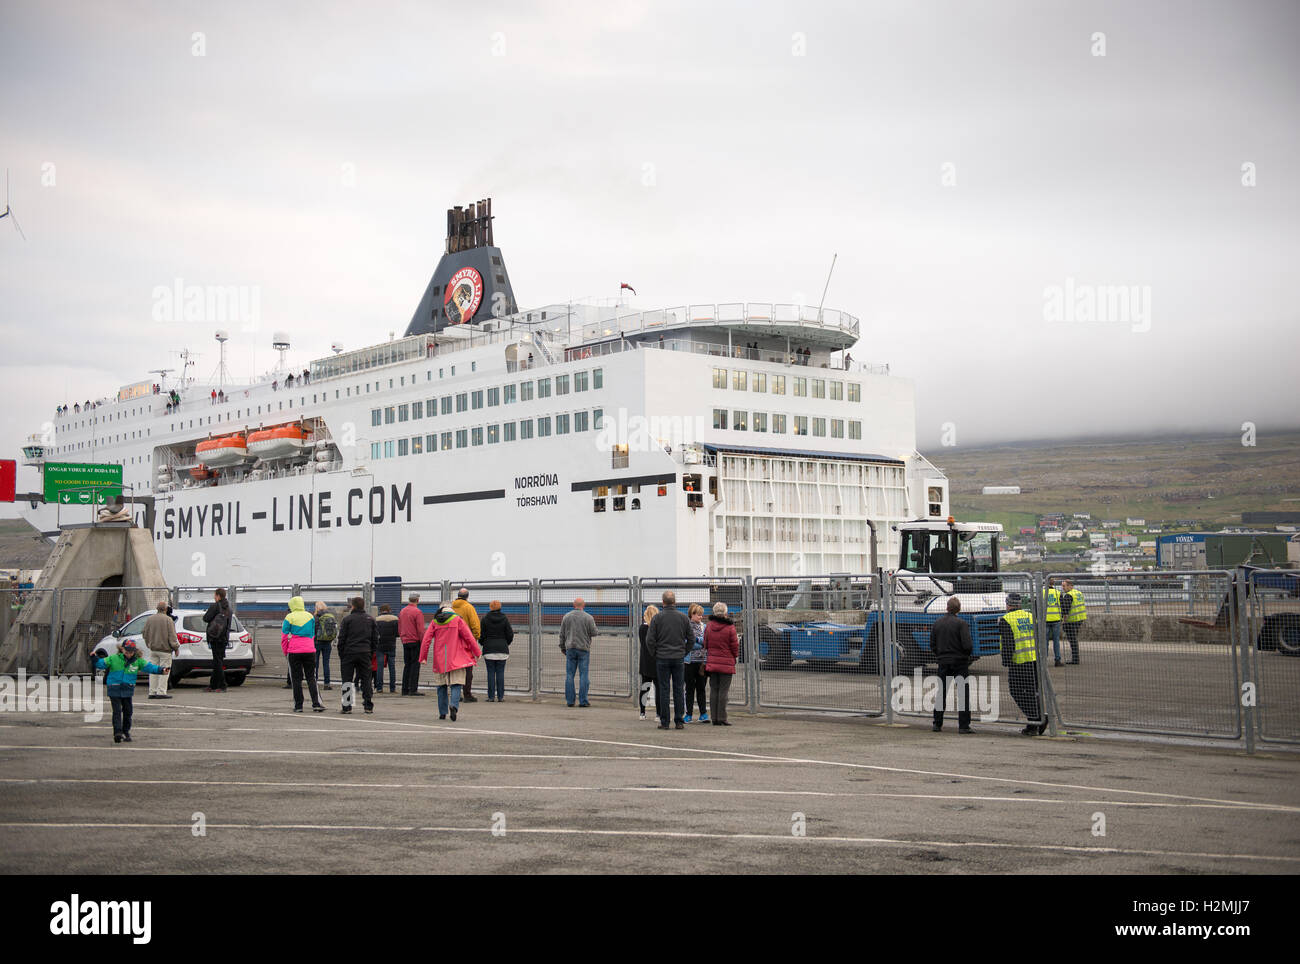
962	159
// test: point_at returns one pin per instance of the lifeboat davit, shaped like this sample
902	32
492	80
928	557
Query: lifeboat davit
201	473
280	442
221	452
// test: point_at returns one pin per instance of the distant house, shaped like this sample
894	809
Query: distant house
1098	539
1074	533
1001	490
1051	537
1027	530
1155	529
1083	515
1111	524
1135	522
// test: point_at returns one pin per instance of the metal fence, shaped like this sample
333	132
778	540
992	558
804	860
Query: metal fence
1209	654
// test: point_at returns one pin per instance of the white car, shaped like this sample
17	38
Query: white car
195	655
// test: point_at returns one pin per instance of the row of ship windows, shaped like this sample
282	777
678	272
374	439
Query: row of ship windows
526	428
800	387
742	421
489	397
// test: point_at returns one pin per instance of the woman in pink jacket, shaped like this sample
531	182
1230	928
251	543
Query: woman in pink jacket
450	647
722	648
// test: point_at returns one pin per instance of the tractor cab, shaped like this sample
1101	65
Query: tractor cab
948	547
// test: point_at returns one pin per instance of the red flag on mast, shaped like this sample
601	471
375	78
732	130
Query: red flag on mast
624	284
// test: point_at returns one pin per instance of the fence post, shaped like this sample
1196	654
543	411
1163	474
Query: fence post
1245	646
535	638
1107	585
886	634
749	620
55	604
1046	690
635	606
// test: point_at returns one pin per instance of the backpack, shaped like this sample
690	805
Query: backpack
217	628
327	628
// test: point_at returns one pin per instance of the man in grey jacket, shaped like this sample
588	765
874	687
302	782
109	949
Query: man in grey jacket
668	640
576	631
160	638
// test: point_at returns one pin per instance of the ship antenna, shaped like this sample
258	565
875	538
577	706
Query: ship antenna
828	284
9	212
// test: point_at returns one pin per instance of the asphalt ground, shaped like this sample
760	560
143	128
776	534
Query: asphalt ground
597	790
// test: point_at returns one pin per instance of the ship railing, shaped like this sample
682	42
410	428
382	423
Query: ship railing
746	313
751	354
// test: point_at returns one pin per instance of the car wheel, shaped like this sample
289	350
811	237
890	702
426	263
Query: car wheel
236	679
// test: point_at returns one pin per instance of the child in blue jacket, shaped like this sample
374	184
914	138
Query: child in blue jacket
122	670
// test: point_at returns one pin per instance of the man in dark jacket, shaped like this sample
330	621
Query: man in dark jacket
496	638
668	639
358	643
951	645
218	620
386	625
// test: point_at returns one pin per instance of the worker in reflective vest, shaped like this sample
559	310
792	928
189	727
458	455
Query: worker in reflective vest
1020	656
1074	611
1052	617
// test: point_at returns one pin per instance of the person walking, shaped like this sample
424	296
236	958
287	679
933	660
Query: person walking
722	650
123	668
669	639
1074	612
951	644
696	680
358	641
577	629
410	625
298	643
449	647
496	639
1020	656
649	672
387	626
1052	619
327	630
217	619
160	639
463	608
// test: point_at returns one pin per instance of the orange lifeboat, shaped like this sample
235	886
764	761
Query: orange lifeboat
221	452
201	473
280	442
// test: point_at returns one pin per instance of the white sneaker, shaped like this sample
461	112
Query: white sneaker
643	714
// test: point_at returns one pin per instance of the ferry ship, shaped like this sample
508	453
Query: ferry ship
489	442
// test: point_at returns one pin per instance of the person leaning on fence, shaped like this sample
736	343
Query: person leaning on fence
298	643
695	679
217	619
951	644
466	611
410	625
1020	656
669	639
449	647
1052	619
649	673
358	641
1074	612
577	629
327	630
722	649
387	625
497	636
120	681
160	639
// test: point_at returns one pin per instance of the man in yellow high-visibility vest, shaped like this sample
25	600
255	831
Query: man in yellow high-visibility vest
1052	619
1074	612
1020	656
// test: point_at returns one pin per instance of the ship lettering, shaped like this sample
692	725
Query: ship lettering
402	500
185	523
323	510
169	523
218	513
240	529
276	526
354	518
536	500
533	481
304	511
201	513
376	515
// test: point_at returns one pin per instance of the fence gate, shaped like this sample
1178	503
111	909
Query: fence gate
1274	653
705	593
516	598
611	604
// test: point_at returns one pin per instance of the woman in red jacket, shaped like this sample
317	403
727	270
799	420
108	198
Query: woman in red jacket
722	648
451	648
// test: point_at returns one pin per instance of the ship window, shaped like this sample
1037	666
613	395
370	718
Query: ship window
508	394
462	401
417	445
453	371
760	382
663	490
597	505
439	372
580	380
543	388
855	430
493	434
431	407
544	426
739	380
493	397
388	415
508	431
720	418
402	448
600	492
598	378
445	404
388	449
374	450
476	399
719	378
620	503
801	387
837	428
819	388
501	279
428	376
431	443
760	421
620	457
561	384
740	421
801	425
562	424
597	418
496	261
778	384
581	421
390	384
525	428
525	391
462	438
446	441
837	391
417	411
476	436
855	392
819	427
473	366
437	289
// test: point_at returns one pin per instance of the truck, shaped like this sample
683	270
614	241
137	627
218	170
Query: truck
937	560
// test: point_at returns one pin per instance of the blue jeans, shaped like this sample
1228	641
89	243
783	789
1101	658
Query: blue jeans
672	678
1054	634
442	698
576	660
380	658
323	661
496	670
